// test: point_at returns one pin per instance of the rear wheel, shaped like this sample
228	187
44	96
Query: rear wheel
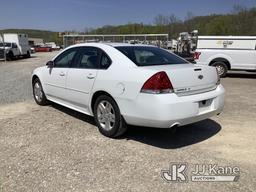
38	93
108	117
221	68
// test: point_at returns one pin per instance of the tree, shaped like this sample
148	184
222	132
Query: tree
161	20
173	19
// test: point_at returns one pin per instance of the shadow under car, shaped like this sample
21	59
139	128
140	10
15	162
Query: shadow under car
162	138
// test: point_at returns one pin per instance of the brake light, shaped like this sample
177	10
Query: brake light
197	55
158	83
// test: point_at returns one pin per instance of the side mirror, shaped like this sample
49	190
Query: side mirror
50	64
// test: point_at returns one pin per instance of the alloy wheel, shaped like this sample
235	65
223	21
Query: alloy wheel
106	115
38	92
220	69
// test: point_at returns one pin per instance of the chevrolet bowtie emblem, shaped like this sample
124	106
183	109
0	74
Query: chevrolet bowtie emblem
200	76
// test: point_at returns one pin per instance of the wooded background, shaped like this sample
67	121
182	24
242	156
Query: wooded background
241	21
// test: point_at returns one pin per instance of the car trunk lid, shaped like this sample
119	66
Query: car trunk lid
189	79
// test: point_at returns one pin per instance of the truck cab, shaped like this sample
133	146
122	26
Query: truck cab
11	49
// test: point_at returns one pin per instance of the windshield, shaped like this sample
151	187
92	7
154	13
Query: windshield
146	56
5	44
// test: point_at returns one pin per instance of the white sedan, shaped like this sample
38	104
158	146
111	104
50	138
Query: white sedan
123	84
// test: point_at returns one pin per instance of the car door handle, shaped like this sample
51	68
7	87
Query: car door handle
62	74
90	76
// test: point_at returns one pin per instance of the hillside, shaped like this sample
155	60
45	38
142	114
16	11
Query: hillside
241	21
46	35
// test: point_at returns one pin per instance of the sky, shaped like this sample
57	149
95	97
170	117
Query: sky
78	15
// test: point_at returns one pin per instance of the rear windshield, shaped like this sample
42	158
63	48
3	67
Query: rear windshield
146	56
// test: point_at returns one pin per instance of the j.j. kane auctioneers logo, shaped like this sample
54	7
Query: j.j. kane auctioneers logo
178	172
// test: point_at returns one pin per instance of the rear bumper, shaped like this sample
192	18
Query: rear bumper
167	110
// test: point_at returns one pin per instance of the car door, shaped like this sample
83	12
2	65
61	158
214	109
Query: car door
15	49
81	77
243	59
55	79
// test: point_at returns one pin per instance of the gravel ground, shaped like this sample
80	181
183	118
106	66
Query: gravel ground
15	77
54	149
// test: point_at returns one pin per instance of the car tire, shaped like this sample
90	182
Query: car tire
222	68
108	117
9	56
38	93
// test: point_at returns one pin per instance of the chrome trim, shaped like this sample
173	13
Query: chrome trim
198	91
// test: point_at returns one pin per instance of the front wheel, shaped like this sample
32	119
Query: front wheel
9	56
221	68
108	117
38	93
28	55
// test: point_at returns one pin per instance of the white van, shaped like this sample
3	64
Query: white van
15	45
227	52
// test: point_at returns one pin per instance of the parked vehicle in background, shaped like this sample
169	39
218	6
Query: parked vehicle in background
186	45
15	45
134	84
42	49
227	53
32	50
172	45
52	45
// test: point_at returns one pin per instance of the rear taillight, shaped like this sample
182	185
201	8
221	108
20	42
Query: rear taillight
158	83
197	55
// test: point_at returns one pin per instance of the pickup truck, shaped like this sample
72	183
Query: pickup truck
14	46
227	53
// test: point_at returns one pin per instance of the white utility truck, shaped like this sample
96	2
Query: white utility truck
15	45
227	53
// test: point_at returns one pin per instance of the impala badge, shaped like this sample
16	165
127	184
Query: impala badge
200	76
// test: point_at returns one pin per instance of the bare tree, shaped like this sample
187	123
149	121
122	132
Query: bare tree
173	19
161	20
189	16
238	9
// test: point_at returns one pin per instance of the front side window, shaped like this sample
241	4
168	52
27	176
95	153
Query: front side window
146	56
5	44
14	45
65	59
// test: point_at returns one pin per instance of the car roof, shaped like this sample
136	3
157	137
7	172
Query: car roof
126	45
111	44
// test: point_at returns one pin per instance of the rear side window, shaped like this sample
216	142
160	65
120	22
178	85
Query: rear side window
147	56
105	61
88	58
